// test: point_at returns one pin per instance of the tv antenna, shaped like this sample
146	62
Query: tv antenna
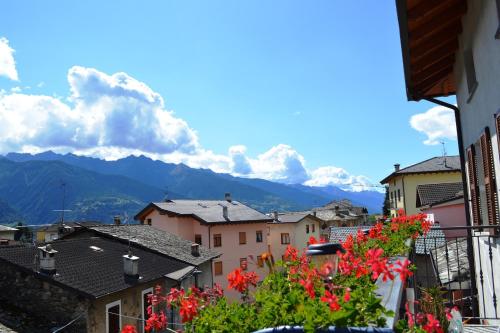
63	210
443	151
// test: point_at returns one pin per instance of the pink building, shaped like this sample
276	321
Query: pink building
227	226
444	204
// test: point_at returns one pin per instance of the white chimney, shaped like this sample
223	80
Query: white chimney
227	196
47	259
131	265
396	167
195	249
225	213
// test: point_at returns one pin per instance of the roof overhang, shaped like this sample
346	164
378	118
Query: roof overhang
429	33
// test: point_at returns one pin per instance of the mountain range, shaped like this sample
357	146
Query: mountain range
31	188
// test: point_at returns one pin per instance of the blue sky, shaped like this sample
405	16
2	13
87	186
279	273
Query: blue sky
294	91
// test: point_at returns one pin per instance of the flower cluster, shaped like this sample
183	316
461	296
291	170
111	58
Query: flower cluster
241	281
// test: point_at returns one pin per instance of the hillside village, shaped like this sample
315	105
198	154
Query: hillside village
66	274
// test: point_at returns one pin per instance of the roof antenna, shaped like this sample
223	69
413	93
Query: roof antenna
62	211
444	152
125	216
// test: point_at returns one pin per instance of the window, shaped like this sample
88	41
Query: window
392	198
313	226
470	72
148	221
218	268
197	239
473	185
490	187
258	236
243	238
113	317
285	238
307	228
217	240
145	304
243	264
399	195
260	261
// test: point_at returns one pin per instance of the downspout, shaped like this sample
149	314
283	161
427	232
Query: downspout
461	150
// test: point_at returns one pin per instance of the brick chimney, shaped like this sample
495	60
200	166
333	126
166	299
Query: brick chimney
396	167
195	250
47	259
131	265
117	220
227	196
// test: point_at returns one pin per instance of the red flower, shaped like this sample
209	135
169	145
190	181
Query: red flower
313	240
326	269
432	324
332	300
188	309
241	281
378	264
129	329
347	295
291	253
403	270
308	286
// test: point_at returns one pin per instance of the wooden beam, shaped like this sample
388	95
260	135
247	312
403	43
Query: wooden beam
431	81
426	7
437	22
419	76
430	58
425	45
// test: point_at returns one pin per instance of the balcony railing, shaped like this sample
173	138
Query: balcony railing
465	263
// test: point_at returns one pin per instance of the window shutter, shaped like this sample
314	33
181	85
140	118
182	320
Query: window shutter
474	190
489	178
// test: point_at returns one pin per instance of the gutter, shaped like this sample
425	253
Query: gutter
461	150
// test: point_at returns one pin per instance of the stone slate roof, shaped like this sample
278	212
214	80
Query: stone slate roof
429	194
157	240
434	238
92	273
6	228
339	234
294	217
435	164
208	211
332	215
454	265
71	224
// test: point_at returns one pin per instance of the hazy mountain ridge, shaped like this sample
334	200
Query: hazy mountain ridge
104	188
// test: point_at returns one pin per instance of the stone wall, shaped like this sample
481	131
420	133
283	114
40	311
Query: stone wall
53	305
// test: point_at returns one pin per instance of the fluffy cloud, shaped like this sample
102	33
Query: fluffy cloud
333	176
105	111
7	63
437	123
114	116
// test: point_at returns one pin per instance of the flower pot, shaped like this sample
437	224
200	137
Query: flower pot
331	329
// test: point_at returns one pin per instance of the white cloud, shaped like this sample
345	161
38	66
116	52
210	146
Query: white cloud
334	176
114	116
437	123
7	62
105	111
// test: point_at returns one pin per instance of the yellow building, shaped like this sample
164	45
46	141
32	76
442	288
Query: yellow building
403	182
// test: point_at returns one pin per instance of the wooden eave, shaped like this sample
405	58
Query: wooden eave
429	33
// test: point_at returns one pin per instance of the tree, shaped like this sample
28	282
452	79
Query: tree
386	209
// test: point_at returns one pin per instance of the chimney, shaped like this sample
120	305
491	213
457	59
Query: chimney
314	213
276	218
396	167
131	265
117	220
225	213
195	249
47	259
227	196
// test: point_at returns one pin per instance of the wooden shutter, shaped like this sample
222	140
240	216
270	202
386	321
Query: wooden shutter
473	187
489	178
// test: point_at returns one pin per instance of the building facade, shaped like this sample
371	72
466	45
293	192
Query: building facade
229	227
402	183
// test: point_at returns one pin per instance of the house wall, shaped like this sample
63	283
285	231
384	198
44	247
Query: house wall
476	112
41	299
299	238
232	251
449	216
131	306
8	234
410	183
